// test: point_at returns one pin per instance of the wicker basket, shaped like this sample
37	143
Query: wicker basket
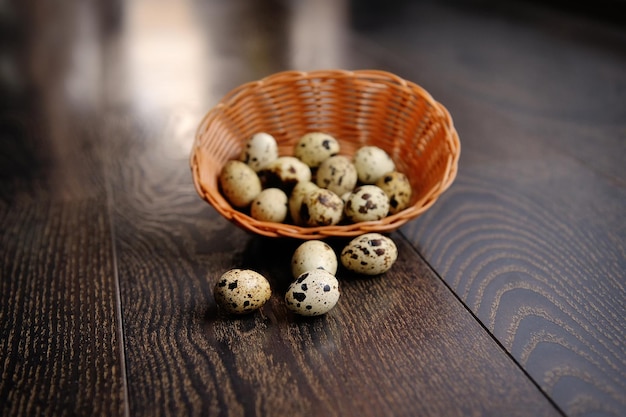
365	107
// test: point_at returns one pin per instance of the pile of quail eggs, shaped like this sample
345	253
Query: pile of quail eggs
315	288
317	186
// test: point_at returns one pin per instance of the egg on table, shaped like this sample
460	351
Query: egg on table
369	254
241	291
313	293
313	254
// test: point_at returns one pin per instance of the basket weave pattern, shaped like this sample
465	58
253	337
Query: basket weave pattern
364	107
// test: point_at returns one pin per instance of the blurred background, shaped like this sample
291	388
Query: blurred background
158	58
147	53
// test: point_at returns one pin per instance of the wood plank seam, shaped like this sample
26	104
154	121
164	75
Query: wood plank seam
118	296
482	325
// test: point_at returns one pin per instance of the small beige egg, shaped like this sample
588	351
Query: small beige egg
366	203
338	174
314	147
321	207
270	206
241	291
369	254
239	183
313	293
259	150
313	254
284	172
295	199
398	188
371	163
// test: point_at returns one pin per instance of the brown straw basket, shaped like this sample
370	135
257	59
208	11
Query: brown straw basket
364	107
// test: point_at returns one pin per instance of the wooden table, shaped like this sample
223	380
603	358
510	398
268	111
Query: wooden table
508	298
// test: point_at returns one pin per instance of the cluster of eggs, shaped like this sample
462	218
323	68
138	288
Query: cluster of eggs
317	186
314	264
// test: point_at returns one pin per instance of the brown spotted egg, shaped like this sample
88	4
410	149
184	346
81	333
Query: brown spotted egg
284	172
259	150
321	207
366	203
270	206
313	254
314	147
313	293
295	199
338	174
241	291
239	183
398	188
369	254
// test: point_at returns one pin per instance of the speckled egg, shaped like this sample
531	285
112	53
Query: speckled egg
270	206
313	254
338	174
369	254
239	183
295	199
371	163
241	291
284	172
321	207
313	293
366	203
259	150
314	147
398	188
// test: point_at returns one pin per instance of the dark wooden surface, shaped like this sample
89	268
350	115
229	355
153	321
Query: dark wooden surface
508	296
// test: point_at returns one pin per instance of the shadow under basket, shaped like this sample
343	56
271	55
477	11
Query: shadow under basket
358	108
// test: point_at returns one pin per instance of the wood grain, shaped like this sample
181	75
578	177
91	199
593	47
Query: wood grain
59	334
532	235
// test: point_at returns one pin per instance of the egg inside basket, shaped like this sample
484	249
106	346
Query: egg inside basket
358	108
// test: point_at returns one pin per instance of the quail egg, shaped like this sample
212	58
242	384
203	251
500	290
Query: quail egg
313	254
259	150
369	254
314	147
371	163
337	173
284	172
321	207
270	206
295	199
239	183
398	188
366	203
313	293
241	291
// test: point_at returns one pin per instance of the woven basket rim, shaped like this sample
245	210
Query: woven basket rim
287	230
